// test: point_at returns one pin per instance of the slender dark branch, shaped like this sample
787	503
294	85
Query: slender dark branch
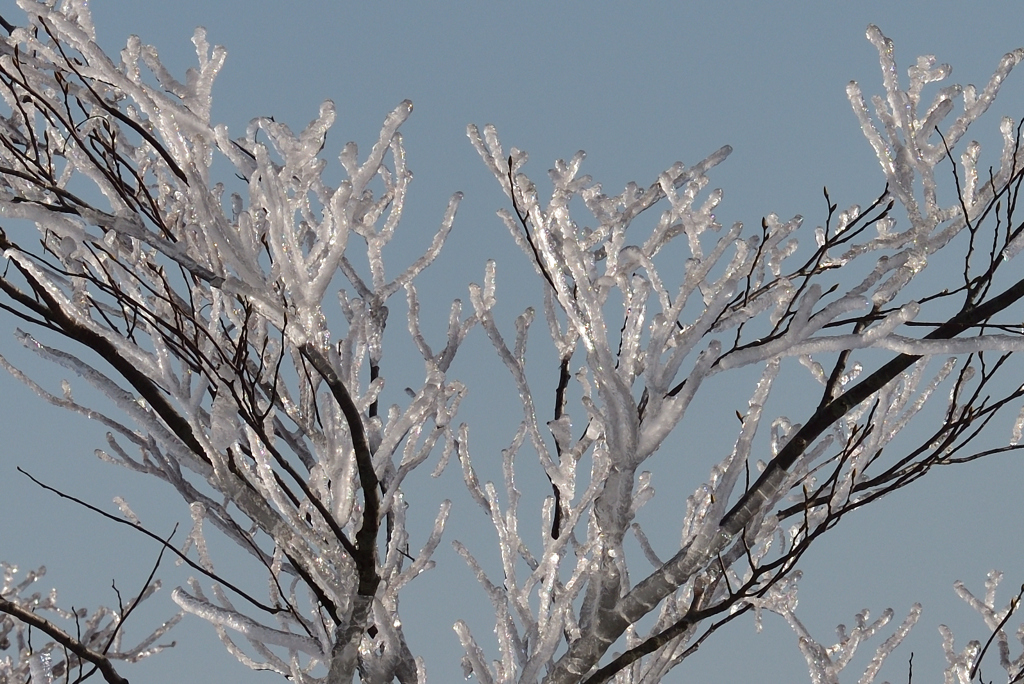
188	561
956	179
804	274
165	543
321	595
374	374
844	357
1014	603
366	535
303	485
51	309
119	115
662	638
563	385
529	237
814	266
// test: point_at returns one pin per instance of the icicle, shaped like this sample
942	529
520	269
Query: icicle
1018	428
127	512
223	419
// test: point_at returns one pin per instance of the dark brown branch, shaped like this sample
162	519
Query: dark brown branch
560	394
119	115
844	357
366	535
303	485
123	613
661	639
744	509
149	391
101	662
529	237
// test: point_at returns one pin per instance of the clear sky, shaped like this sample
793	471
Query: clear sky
638	86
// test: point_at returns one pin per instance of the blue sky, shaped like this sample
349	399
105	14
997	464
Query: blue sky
638	86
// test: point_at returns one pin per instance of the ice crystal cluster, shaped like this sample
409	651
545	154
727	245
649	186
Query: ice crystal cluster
241	326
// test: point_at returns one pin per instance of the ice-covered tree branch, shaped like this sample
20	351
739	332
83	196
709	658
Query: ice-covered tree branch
97	640
206	304
237	330
737	306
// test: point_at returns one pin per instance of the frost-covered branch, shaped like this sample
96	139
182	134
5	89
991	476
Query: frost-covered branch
236	329
743	300
97	640
246	385
826	663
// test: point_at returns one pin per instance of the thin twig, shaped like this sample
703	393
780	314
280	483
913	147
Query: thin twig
1009	612
188	561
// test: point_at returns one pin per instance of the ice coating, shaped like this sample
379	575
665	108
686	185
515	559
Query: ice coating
239	623
42	655
225	407
256	373
604	272
40	667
